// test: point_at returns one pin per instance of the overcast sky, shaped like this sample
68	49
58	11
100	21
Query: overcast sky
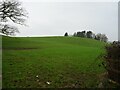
55	18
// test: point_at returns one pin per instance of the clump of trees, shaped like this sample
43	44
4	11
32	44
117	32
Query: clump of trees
79	34
90	34
11	10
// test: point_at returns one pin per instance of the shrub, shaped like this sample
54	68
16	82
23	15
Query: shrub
112	61
113	51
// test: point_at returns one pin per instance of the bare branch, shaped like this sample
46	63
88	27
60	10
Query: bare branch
8	30
11	10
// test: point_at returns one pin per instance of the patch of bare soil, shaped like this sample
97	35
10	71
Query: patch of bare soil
18	48
0	76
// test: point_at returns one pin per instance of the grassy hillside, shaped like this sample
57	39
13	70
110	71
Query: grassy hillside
60	61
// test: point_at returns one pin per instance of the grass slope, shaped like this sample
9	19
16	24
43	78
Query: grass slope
62	61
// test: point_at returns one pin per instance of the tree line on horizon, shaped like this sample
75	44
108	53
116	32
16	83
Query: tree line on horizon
89	34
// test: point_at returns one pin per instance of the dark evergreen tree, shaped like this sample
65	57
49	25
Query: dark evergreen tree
66	34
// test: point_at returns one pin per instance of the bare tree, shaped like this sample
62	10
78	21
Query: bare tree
104	38
8	30
11	10
101	37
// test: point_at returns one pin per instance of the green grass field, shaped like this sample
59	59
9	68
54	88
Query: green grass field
49	62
